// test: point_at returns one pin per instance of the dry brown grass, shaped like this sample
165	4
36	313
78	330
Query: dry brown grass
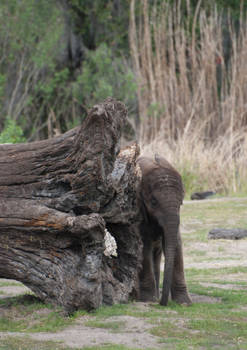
192	93
205	167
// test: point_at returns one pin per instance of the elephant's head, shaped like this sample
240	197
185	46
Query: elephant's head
161	196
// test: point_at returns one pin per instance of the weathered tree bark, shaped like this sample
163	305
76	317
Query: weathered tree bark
224	233
56	198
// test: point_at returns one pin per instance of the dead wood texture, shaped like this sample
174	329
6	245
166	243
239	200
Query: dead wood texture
56	198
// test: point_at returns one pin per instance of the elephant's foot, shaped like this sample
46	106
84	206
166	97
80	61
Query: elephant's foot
181	297
147	296
164	301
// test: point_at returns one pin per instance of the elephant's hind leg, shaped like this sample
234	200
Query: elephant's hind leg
157	253
147	274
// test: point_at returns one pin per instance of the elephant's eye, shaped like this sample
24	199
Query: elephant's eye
153	202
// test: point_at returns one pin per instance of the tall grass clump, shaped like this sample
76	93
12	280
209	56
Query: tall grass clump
192	77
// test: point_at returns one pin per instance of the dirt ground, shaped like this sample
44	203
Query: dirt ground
134	332
78	335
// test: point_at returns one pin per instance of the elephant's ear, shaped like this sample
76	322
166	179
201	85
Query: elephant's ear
161	161
183	194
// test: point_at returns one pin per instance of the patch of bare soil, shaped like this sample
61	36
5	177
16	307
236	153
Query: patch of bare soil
134	331
133	334
7	291
227	286
78	335
220	199
10	291
217	254
204	299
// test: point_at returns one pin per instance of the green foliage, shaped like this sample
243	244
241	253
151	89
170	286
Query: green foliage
34	83
104	21
155	110
27	23
50	87
2	85
30	31
12	133
191	180
31	45
104	75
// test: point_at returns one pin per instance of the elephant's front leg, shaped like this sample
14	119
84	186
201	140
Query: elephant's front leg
179	292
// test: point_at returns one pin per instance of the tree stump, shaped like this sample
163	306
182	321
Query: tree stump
57	197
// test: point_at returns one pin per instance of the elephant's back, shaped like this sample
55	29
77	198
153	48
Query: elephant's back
149	164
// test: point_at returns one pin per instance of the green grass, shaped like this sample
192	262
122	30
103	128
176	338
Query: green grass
26	313
213	213
109	347
193	274
209	326
114	326
25	343
114	310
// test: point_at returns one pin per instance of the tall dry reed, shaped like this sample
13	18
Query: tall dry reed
192	91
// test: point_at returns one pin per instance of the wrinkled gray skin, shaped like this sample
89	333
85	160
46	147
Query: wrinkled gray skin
161	194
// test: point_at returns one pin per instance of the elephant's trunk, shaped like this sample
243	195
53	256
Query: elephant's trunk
170	242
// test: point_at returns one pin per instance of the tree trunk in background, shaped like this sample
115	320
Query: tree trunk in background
56	198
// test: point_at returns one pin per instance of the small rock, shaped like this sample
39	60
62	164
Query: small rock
202	195
224	233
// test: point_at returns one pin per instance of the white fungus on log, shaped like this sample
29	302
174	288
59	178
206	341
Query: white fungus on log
110	244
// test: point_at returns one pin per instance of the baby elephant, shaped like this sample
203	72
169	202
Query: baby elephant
161	194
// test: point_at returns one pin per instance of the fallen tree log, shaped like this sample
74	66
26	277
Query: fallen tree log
57	197
224	233
202	195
